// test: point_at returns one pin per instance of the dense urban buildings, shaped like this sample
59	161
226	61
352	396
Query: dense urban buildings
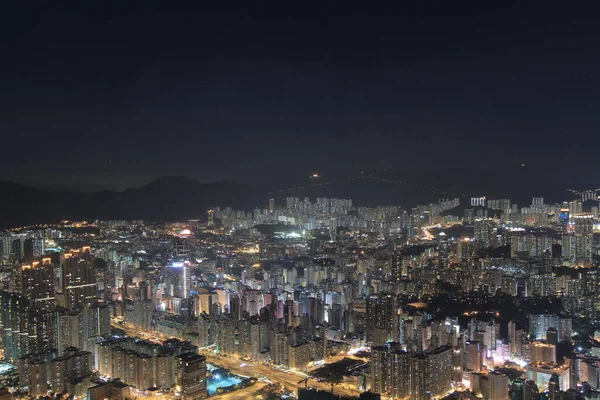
495	301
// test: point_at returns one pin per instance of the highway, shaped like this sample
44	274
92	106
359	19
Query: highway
289	379
240	394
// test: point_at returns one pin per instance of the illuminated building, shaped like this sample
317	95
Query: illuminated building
474	355
140	363
584	231
483	232
498	386
443	252
512	336
41	373
383	319
33	248
380	370
431	374
202	302
499	204
181	279
24	330
469	216
400	371
478	201
523	390
301	355
575	207
541	373
542	285
36	281
543	352
399	374
78	279
464	252
211	218
73	365
226	335
524	245
115	390
271	205
191	376
539	325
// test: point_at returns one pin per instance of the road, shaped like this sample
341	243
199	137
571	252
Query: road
240	394
289	379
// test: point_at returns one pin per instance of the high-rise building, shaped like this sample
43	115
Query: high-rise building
478	201
540	373
271	205
399	374
483	232
516	390
36	281
575	207
464	251
431	374
583	236
469	215
443	250
75	364
499	204
539	325
498	386
552	336
537	201
24	330
530	391
512	336
380	373
191	376
33	248
544	352
474	354
522	389
78	279
180	273
383	319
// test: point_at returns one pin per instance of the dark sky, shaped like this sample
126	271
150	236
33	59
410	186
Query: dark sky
112	94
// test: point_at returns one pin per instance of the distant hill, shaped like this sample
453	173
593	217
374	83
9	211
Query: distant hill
179	198
409	187
365	190
165	199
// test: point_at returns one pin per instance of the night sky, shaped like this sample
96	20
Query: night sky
115	96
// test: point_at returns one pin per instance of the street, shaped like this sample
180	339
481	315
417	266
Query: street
289	379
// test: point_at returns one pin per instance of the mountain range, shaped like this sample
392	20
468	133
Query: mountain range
165	199
178	198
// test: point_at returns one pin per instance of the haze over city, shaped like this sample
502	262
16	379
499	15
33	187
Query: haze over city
295	201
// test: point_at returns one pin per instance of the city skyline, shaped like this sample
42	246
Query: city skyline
280	201
451	299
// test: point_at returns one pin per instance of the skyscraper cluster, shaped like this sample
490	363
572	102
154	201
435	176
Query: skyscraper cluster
493	300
